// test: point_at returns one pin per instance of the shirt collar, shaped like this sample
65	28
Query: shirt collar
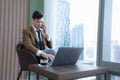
35	28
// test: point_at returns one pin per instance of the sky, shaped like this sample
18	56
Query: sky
85	12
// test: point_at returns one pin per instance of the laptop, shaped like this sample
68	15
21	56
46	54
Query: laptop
67	56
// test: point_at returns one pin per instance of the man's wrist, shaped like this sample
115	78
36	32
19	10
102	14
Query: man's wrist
39	53
48	39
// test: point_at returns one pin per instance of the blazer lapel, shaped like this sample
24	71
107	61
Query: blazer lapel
33	32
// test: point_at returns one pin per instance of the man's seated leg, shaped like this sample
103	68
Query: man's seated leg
50	51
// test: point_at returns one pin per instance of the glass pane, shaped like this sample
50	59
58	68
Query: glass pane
87	78
111	42
77	25
83	28
113	77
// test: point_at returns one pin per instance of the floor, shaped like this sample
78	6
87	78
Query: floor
33	77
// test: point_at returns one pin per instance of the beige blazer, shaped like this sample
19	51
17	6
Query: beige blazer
30	40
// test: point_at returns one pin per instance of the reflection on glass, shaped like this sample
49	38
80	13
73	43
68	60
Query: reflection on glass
115	39
76	26
111	42
83	28
113	77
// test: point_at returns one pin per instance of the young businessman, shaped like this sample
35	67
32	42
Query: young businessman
36	39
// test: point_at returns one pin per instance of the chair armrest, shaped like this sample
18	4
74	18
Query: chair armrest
26	58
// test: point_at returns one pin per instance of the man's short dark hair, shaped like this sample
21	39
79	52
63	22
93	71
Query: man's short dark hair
37	15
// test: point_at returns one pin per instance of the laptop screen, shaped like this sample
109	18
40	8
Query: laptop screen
67	56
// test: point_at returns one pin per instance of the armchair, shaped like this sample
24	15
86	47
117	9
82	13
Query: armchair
25	58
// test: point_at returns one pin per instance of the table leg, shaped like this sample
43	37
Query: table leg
29	75
107	76
37	76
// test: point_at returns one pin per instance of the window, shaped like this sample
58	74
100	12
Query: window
76	26
111	43
74	23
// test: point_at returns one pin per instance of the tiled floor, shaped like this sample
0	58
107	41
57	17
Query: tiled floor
33	77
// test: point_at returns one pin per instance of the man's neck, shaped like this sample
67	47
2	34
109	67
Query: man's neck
35	28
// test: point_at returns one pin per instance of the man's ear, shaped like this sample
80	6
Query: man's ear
33	20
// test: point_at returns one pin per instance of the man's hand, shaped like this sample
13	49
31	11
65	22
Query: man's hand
45	31
48	56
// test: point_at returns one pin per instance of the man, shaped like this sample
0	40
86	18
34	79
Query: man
36	39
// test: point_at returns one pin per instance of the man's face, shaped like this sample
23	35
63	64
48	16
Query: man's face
38	22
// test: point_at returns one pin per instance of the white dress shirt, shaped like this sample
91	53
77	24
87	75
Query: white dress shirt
39	51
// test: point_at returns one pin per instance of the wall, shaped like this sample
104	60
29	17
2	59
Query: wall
35	5
14	16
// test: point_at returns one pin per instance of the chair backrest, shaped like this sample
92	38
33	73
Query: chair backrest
25	57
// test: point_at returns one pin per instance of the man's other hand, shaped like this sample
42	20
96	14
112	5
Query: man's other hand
47	56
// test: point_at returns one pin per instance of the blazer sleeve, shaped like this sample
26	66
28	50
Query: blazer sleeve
50	44
28	43
47	43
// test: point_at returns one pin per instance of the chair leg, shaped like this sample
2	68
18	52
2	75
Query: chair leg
37	76
19	74
29	75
